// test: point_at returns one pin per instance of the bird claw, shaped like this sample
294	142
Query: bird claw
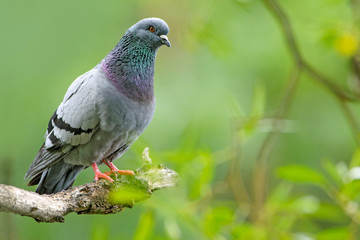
120	172
114	170
98	174
102	175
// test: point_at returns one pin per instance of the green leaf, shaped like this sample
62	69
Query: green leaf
249	127
334	234
128	192
247	231
307	204
301	174
351	189
280	193
145	226
329	213
329	36
172	228
355	160
201	172
216	219
333	172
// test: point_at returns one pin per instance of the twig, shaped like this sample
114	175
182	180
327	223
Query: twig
350	116
355	7
355	64
234	177
92	198
267	147
280	15
343	96
336	90
285	23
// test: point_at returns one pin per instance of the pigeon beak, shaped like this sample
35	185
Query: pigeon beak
165	40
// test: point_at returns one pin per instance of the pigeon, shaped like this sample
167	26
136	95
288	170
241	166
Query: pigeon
103	112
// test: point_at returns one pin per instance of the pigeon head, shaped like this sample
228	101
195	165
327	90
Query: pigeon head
150	32
130	65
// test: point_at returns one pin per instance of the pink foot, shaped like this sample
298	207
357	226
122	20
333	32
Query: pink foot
99	175
115	170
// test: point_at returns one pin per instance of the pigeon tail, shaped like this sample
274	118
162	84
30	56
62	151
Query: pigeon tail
60	176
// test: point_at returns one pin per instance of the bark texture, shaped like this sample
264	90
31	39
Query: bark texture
92	198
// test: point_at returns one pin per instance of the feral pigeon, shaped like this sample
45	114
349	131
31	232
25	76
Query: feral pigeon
103	112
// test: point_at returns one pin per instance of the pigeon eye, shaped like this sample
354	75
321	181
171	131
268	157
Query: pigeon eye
151	29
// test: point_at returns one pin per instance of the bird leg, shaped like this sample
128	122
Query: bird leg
98	174
115	170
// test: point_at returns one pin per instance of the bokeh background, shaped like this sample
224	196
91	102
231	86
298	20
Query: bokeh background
265	146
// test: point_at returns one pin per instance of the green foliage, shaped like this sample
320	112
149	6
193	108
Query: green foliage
217	218
301	174
128	192
334	234
146	225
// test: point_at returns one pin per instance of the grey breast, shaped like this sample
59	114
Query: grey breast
122	120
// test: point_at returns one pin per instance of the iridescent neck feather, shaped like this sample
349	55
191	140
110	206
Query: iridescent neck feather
130	67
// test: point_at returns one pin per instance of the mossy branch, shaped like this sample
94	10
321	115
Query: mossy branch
92	198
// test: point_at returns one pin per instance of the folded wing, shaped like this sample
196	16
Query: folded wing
73	123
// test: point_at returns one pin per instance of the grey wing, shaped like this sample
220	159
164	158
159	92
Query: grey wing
73	123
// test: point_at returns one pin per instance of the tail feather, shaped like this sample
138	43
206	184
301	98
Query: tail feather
58	177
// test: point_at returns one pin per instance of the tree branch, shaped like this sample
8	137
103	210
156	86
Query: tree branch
282	18
343	96
92	198
260	177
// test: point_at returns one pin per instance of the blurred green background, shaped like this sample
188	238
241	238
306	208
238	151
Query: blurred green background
218	89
